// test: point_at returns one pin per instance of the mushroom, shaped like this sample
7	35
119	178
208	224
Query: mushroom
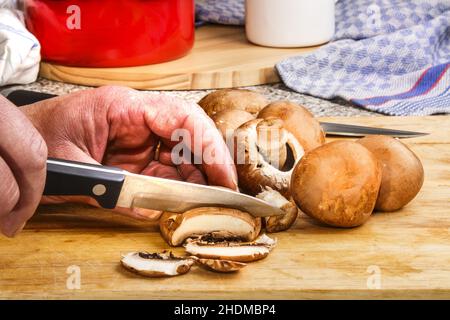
219	222
254	166
204	248
229	120
240	99
217	265
271	140
283	222
402	172
337	183
156	264
297	120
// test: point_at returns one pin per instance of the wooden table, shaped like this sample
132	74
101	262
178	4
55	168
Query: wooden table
222	57
404	254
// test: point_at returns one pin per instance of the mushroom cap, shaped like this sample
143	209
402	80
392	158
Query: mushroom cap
297	120
156	265
241	99
220	222
229	120
255	173
337	183
402	171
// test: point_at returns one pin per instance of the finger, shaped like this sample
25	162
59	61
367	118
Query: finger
206	142
140	213
9	193
25	152
165	156
191	173
157	169
131	157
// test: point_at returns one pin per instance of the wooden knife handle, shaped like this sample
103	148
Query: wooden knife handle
70	178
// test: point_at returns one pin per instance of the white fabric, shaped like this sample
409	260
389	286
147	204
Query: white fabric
19	49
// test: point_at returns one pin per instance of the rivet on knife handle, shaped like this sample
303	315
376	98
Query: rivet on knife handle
70	178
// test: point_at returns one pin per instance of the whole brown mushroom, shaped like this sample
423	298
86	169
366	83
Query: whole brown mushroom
337	183
239	99
298	120
402	171
255	166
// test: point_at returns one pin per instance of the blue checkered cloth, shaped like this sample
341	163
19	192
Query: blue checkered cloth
388	56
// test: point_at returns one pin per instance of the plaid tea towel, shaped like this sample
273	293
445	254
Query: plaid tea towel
220	11
388	56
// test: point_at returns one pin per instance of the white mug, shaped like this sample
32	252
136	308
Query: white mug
289	23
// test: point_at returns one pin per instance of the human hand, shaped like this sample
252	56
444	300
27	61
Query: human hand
121	127
23	155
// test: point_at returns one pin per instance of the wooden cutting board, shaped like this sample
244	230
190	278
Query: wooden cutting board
221	58
404	254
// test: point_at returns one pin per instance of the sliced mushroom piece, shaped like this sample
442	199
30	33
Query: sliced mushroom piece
219	222
156	264
217	265
298	120
283	222
254	170
240	99
233	251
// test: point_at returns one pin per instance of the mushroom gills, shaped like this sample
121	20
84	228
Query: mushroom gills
156	264
233	251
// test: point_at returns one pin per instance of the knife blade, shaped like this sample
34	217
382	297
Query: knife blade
349	130
24	97
112	187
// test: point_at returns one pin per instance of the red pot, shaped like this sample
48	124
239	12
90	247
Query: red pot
111	33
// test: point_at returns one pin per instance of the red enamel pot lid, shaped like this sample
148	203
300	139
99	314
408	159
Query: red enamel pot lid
111	33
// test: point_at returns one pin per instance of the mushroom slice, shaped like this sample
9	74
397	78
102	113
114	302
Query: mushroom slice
233	251
156	264
218	265
222	223
254	169
283	222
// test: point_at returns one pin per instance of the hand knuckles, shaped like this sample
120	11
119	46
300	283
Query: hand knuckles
111	92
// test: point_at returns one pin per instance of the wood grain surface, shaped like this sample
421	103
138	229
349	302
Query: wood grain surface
221	58
407	251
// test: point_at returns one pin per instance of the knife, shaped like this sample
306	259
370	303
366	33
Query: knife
113	187
350	130
23	97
